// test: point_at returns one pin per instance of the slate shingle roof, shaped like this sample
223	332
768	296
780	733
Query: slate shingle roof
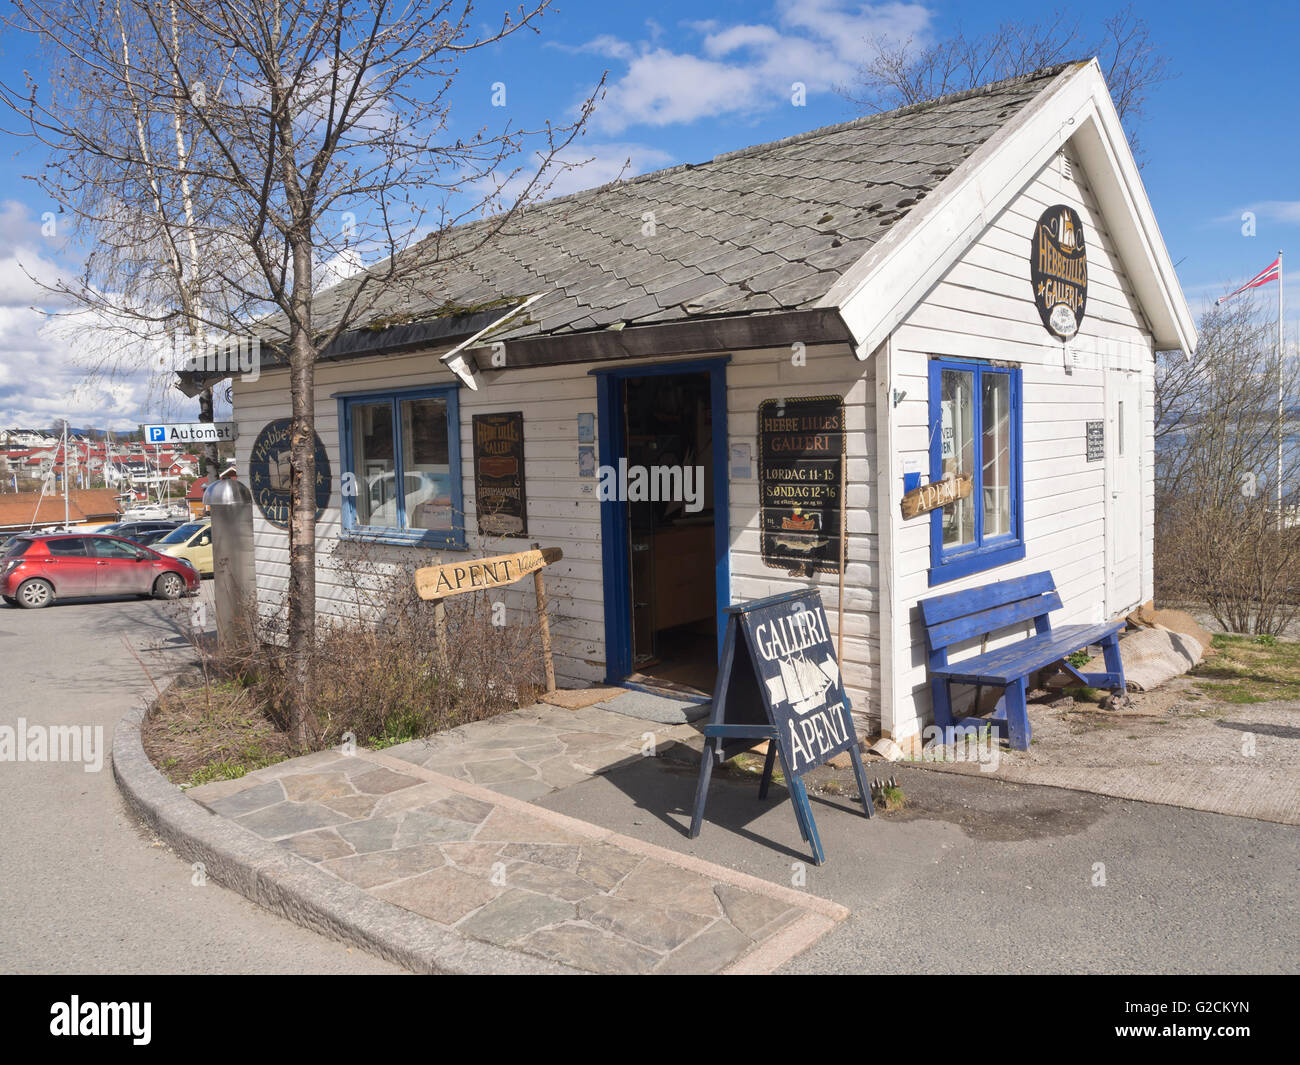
765	229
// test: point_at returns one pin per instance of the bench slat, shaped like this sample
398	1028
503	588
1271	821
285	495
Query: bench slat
991	620
943	608
1005	664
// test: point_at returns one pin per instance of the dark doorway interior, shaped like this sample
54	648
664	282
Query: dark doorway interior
669	427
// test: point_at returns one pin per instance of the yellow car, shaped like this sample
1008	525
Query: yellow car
191	543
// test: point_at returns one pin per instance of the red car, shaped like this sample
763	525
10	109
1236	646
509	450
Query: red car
37	568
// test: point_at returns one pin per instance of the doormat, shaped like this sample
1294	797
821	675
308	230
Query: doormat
580	698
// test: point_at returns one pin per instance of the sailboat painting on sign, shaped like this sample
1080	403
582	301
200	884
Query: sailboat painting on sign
802	684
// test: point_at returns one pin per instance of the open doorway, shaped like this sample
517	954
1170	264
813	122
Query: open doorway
665	554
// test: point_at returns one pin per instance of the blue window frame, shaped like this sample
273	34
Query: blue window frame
976	429
402	450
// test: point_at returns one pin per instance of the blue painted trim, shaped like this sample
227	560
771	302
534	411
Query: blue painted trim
1001	550
615	561
663	368
721	497
350	528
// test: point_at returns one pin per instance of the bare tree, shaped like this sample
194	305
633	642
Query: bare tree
304	134
905	72
1220	539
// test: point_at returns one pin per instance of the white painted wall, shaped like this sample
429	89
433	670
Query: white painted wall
561	514
983	308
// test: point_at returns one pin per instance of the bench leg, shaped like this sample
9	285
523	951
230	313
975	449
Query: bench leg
1114	664
1018	731
941	696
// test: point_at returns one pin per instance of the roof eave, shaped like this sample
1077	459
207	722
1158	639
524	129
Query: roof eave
882	288
696	336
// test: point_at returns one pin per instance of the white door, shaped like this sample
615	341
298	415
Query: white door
1123	491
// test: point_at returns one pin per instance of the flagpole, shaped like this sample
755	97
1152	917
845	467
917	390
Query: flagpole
1280	418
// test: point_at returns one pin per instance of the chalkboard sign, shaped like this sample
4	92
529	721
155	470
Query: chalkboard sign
779	680
499	474
1096	441
800	482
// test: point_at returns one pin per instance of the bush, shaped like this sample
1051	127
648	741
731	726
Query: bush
377	674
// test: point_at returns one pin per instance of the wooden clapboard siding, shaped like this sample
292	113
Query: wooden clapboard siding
752	378
983	308
561	514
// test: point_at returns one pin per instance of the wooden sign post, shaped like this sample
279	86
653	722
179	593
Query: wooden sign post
779	680
455	578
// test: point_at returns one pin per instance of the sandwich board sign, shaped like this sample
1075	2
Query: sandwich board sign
779	680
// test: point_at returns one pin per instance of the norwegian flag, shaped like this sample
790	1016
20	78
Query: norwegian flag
1270	273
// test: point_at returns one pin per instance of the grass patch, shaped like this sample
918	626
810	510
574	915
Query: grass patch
1083	693
196	735
1251	669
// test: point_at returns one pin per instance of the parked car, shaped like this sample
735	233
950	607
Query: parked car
38	568
144	532
192	541
148	539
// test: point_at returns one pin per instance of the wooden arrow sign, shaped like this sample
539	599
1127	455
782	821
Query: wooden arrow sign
455	578
935	495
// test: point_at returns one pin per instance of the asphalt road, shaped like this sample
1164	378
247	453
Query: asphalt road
84	888
982	876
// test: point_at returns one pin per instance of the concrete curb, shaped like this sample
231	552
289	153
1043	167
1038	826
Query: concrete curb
283	883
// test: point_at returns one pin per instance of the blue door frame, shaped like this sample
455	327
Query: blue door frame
614	555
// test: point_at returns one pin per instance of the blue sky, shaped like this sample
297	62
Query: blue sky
708	76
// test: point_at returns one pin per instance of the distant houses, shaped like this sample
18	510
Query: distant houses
36	460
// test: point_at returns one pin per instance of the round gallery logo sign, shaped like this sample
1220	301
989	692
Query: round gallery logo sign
270	473
1058	268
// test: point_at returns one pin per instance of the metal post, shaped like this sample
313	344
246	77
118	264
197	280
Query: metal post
1281	423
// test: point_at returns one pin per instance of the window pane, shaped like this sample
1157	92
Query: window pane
372	461
426	480
957	451
69	546
997	453
107	548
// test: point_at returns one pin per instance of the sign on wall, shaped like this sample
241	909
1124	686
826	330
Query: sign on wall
1096	441
499	493
936	494
269	473
779	679
1058	269
800	482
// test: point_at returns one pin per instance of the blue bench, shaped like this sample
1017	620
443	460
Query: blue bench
981	612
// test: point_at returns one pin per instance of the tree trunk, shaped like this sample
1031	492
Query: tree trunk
302	540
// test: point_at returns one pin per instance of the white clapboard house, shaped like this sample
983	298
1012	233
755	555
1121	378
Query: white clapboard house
970	288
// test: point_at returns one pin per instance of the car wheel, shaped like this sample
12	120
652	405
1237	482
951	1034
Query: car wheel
9	599
35	593
169	586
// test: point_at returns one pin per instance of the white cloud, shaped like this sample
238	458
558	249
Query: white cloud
581	166
747	68
48	362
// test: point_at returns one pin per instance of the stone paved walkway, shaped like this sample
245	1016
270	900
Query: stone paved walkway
534	751
453	847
